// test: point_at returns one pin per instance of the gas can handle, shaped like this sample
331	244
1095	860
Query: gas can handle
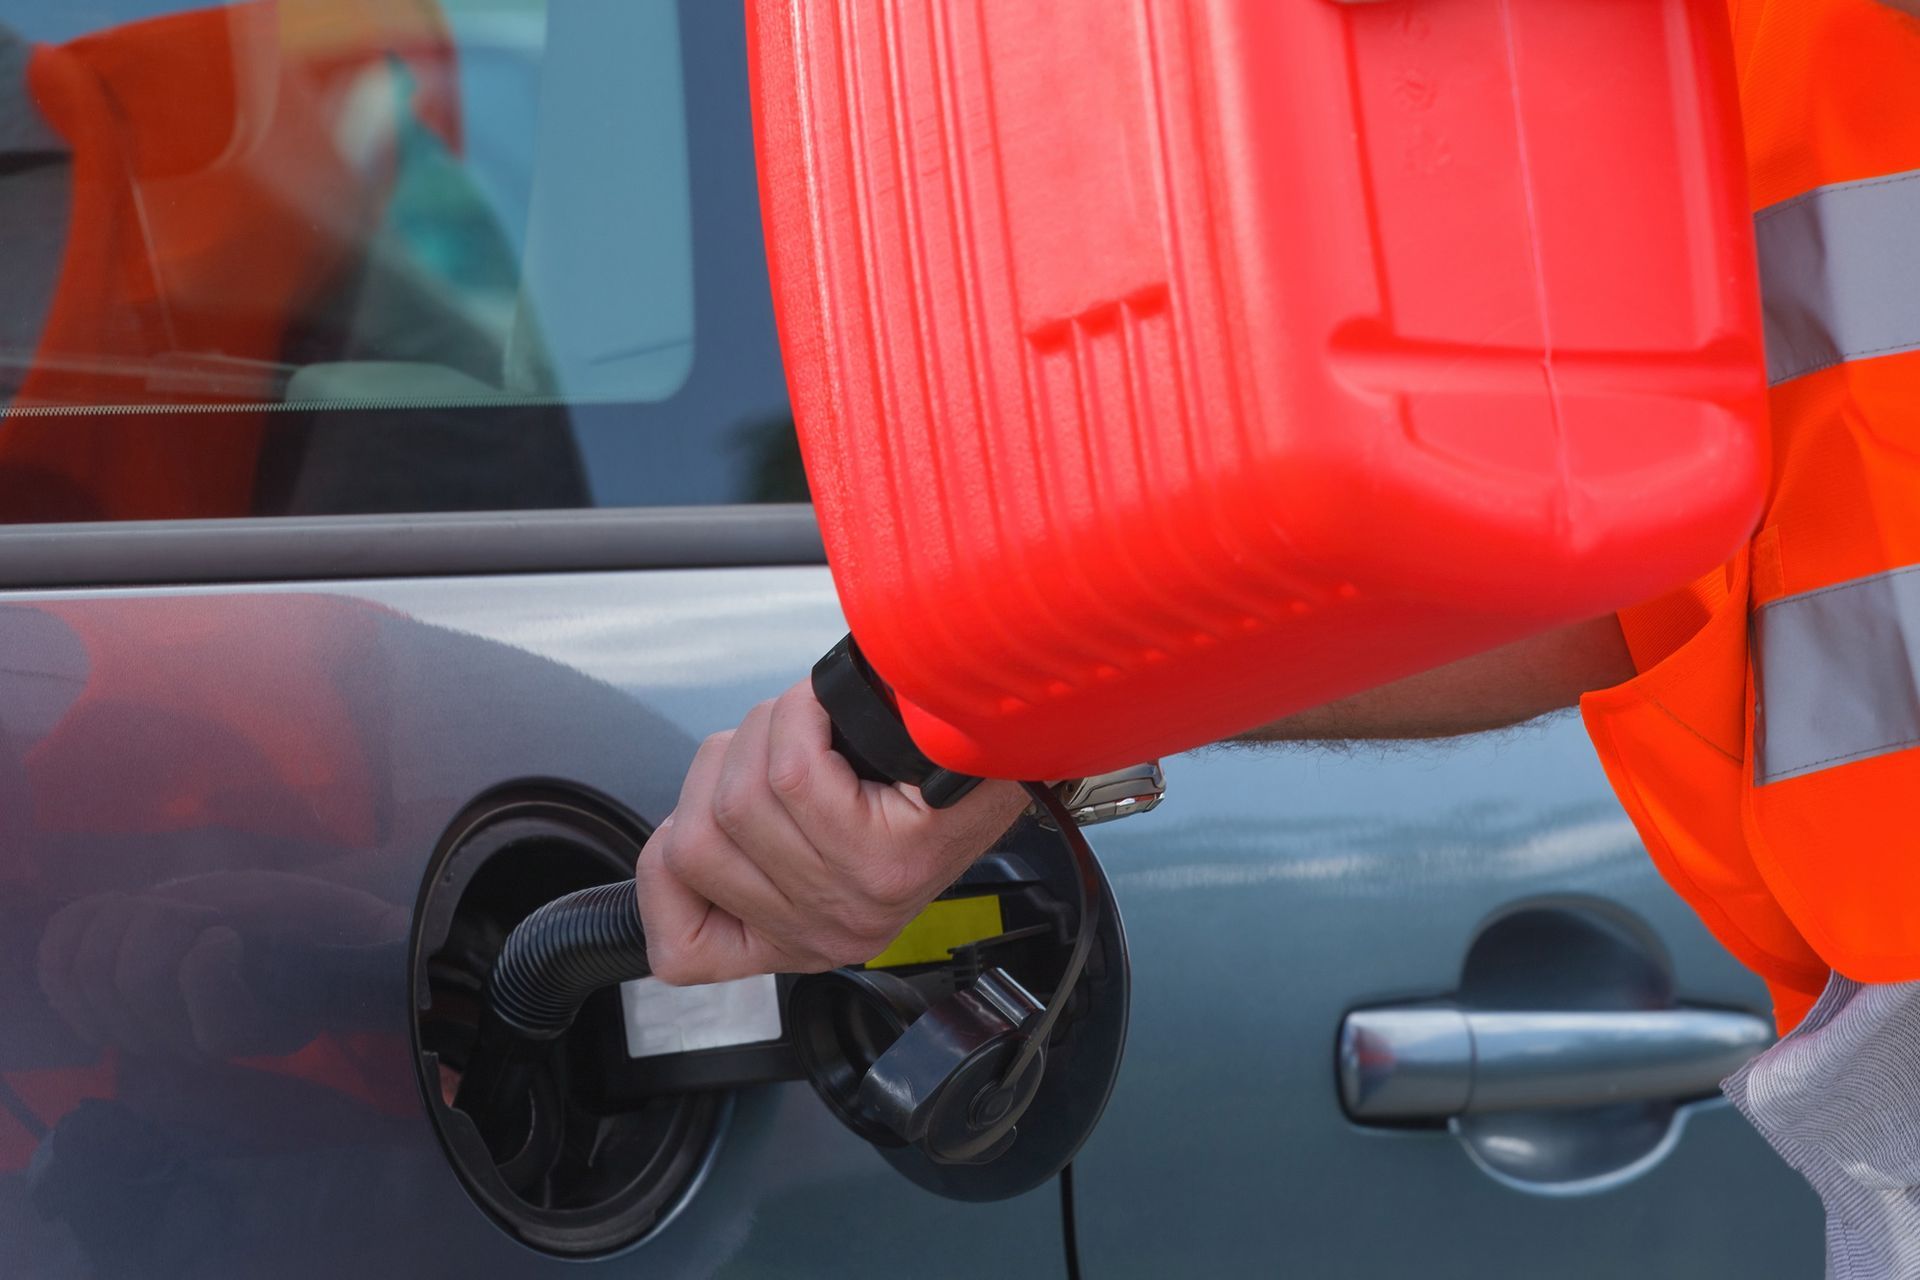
868	731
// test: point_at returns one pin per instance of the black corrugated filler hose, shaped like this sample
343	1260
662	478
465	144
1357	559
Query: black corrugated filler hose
551	962
563	953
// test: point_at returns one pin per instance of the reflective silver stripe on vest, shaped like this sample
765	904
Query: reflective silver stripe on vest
1837	675
1840	274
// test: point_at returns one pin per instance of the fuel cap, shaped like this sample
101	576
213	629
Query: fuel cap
952	1068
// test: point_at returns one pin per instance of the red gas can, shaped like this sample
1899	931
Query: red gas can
1163	368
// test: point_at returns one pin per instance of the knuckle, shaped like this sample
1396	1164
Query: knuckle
732	808
653	856
787	772
681	858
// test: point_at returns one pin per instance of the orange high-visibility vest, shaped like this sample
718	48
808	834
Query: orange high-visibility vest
1766	752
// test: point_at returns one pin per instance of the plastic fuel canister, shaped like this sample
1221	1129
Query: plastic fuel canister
1161	369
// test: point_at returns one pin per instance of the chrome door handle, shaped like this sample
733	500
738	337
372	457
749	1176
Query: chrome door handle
1434	1062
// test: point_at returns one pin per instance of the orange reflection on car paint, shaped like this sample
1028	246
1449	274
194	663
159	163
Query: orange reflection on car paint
228	163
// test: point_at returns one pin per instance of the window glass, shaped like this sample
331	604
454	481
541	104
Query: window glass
297	256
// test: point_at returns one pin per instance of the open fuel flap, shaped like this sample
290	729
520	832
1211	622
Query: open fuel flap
924	1051
600	1162
920	1050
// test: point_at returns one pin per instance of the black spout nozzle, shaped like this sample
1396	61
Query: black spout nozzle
868	731
552	961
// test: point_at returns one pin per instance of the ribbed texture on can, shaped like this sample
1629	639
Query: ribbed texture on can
563	953
1120	446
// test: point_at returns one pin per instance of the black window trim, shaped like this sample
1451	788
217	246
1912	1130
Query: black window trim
307	548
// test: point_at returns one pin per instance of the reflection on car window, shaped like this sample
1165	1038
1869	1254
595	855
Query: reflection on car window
380	255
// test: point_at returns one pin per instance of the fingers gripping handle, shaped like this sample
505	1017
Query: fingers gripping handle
868	732
570	948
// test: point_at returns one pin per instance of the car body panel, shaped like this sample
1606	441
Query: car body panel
1277	889
341	728
1272	892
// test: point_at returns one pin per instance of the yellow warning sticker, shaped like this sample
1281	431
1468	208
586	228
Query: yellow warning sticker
944	925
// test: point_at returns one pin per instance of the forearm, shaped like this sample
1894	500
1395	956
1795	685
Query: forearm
1491	690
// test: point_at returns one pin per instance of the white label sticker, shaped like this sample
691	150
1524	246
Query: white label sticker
663	1019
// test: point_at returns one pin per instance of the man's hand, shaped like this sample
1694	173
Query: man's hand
779	859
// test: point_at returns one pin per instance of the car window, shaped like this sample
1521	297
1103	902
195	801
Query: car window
311	256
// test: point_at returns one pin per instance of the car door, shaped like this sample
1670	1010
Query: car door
285	1133
1277	894
379	437
398	485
